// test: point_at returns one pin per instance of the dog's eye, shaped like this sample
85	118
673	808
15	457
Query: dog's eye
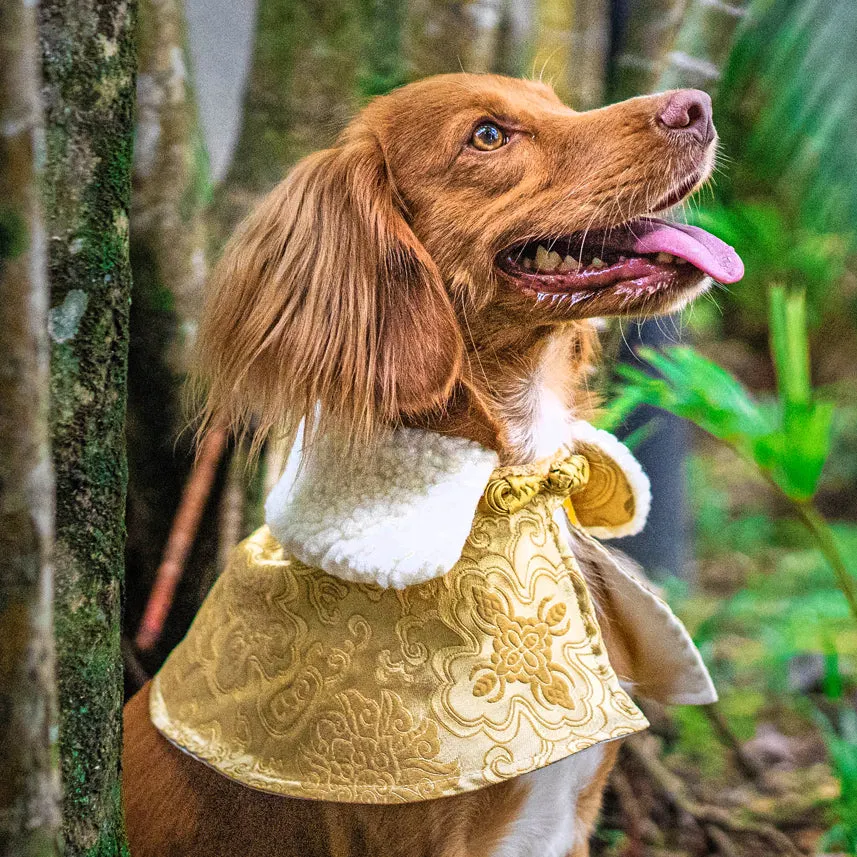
488	137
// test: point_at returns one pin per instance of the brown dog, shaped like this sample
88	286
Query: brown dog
437	268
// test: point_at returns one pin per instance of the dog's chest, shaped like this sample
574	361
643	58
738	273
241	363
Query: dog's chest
549	824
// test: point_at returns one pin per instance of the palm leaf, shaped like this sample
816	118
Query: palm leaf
790	90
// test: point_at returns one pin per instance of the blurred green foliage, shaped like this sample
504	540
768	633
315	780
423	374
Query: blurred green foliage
770	612
787	438
786	196
842	746
789	610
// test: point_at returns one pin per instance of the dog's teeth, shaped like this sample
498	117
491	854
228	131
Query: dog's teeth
547	261
598	263
680	261
664	258
622	259
568	263
528	263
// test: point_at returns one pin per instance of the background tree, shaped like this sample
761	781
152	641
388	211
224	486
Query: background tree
29	794
702	46
169	246
301	91
309	67
89	64
643	39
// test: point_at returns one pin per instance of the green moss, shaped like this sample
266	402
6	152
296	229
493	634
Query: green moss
14	239
382	65
200	190
696	738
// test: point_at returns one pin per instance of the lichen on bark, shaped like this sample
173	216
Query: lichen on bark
88	62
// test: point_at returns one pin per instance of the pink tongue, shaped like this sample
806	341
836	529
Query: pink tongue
697	246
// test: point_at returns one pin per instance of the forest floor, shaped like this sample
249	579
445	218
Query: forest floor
772	769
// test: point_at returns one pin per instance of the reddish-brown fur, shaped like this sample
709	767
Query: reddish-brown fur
363	293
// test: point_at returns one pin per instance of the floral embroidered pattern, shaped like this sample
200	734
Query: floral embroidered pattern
298	683
364	746
523	652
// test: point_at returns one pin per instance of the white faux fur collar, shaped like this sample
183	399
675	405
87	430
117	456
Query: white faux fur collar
403	516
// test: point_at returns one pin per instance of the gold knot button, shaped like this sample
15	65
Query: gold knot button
509	494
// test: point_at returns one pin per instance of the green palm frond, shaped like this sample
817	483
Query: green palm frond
792	86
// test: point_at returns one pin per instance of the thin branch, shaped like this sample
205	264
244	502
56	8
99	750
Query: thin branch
230	518
749	766
30	795
135	672
181	539
821	532
722	841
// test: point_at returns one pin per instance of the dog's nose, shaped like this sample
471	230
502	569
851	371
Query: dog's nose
688	111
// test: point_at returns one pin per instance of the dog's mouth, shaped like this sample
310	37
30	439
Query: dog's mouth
638	259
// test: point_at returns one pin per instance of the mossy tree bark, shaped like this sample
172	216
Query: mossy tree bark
171	190
29	788
88	63
444	36
302	89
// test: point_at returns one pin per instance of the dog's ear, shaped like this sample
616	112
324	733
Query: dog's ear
325	307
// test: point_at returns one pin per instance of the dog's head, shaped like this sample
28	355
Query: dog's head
450	211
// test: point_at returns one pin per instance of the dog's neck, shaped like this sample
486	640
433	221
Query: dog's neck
520	393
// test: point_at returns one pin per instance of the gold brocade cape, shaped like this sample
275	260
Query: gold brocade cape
297	682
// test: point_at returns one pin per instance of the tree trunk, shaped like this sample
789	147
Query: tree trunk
29	794
571	47
444	36
648	34
302	90
171	185
700	49
552	44
702	45
89	67
589	44
514	38
311	64
171	190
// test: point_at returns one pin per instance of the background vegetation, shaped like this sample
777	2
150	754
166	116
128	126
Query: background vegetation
765	372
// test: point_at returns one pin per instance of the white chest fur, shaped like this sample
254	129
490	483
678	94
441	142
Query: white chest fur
548	825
